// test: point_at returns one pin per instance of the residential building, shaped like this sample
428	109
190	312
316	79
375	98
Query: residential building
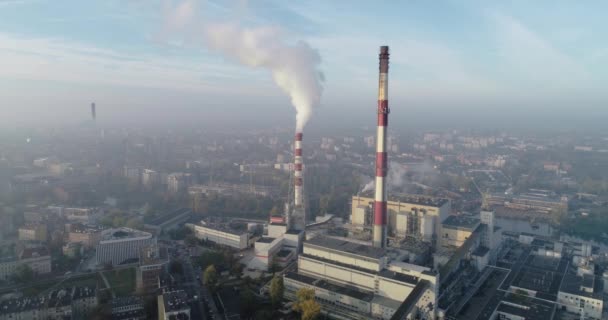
33	231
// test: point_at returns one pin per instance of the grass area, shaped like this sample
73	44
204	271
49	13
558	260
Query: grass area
121	281
38	288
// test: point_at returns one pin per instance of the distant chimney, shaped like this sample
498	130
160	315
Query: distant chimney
93	112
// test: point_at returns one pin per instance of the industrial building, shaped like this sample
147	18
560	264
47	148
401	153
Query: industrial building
122	245
221	233
582	295
408	215
354	280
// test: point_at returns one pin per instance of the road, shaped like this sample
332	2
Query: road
205	304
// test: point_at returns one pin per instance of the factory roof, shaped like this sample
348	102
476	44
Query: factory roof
481	251
398	276
410	198
408	304
461	222
573	284
222	227
301	277
346	290
283	253
531	310
347	247
266	240
175	300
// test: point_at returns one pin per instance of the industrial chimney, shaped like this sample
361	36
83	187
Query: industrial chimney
298	170
93	113
380	216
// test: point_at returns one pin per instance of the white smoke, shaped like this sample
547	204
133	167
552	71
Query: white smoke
294	67
396	176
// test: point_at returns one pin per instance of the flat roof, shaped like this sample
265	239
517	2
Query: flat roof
481	251
175	300
354	248
465	222
572	284
266	240
416	199
531	311
398	276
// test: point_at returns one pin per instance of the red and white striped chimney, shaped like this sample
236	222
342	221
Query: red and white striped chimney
298	170
380	216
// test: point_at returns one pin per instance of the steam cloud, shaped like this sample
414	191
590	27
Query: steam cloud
294	67
396	177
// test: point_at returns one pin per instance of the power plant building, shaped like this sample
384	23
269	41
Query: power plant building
220	234
408	215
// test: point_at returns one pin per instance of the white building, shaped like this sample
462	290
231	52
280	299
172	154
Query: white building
122	244
354	281
220	235
149	178
580	295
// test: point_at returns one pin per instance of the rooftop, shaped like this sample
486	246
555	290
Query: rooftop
410	198
266	240
398	276
347	247
463	222
532	310
175	300
123	234
127	301
572	284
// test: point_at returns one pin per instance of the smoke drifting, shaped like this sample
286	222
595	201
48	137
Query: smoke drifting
397	177
294	67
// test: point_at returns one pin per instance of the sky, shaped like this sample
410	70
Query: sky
469	60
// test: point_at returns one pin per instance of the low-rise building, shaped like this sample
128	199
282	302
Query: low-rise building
33	231
128	308
581	295
36	258
173	304
66	303
88	236
220	234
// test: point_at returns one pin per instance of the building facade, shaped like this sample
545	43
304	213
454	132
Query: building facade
121	245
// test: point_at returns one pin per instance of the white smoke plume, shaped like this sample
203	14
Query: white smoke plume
397	175
294	67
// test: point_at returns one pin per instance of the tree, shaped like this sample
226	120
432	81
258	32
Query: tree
247	303
176	267
306	304
210	277
23	274
264	314
276	290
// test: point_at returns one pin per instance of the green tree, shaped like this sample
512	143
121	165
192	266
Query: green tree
306	304
210	277
276	290
247	303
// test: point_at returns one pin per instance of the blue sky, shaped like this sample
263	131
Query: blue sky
58	56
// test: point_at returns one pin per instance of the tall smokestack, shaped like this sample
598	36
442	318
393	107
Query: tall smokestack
380	217
93	113
298	170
